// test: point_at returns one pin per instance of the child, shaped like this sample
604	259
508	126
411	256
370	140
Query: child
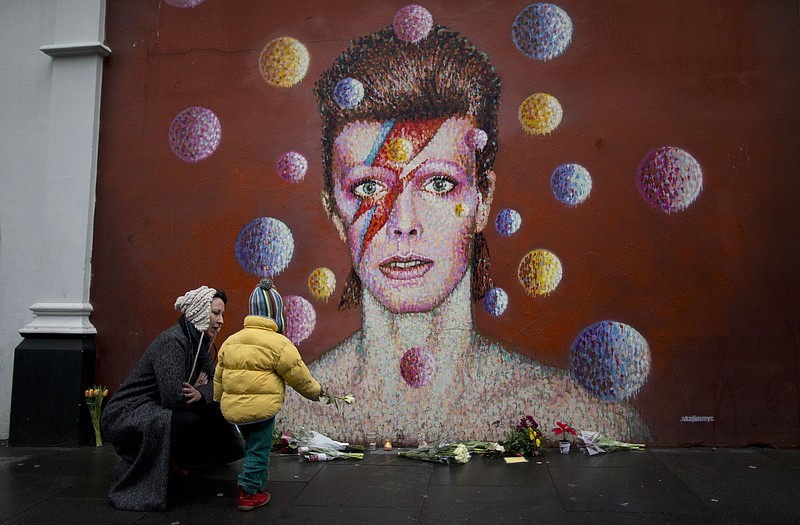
253	367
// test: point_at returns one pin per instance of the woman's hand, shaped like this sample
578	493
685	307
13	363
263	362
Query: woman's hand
191	394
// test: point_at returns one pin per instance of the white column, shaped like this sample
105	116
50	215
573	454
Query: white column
68	197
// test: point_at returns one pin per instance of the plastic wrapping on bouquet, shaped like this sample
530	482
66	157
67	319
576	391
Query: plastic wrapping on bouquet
321	456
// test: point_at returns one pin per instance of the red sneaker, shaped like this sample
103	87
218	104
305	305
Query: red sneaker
251	501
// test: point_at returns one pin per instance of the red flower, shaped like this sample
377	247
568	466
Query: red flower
564	429
525	423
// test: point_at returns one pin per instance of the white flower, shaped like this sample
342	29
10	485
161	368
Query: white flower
349	399
461	454
496	447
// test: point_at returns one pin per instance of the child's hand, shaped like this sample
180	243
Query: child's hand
202	379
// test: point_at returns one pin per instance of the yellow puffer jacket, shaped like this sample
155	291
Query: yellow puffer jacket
253	367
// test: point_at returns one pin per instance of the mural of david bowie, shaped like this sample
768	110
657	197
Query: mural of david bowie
409	186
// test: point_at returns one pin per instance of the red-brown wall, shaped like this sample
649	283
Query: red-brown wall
713	289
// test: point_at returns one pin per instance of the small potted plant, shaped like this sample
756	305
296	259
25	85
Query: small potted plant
562	429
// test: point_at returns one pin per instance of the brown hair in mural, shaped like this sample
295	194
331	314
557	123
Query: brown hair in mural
409	140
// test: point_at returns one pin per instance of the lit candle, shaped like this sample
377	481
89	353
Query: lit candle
387	445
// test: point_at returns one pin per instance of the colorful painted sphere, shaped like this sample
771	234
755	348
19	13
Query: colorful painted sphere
264	247
184	3
284	62
476	139
508	222
348	92
292	166
412	23
540	113
571	184
542	31
400	150
539	272
300	316
670	179
417	367
611	360
322	283
194	134
495	301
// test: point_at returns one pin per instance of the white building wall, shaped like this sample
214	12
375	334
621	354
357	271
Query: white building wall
47	172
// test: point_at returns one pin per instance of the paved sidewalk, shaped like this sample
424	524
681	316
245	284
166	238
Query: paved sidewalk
657	486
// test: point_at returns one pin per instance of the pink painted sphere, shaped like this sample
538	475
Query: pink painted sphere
194	134
292	166
412	23
476	138
184	3
417	367
670	179
301	318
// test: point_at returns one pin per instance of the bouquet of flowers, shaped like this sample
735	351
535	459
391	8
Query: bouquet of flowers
488	449
441	453
94	400
284	442
594	443
524	438
326	454
313	446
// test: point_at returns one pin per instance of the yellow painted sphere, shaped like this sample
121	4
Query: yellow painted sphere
284	62
400	150
539	272
322	283
540	113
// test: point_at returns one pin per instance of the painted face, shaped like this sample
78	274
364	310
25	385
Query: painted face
407	200
216	318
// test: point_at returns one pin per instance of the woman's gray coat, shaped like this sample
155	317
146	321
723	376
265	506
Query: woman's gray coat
137	419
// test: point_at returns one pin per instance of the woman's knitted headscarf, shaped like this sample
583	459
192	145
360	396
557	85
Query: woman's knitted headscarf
196	306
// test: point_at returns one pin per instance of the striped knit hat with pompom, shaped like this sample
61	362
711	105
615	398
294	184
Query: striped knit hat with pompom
265	301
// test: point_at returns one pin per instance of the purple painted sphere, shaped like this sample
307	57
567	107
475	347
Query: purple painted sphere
412	23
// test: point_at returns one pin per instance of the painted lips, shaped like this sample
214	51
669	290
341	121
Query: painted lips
405	268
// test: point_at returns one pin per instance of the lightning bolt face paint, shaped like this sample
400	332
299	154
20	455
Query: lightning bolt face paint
396	186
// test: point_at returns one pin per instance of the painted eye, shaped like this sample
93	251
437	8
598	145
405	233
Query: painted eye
439	184
368	189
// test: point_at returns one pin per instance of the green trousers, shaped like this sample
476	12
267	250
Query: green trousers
257	446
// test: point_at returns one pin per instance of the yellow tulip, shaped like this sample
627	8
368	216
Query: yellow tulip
105	392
